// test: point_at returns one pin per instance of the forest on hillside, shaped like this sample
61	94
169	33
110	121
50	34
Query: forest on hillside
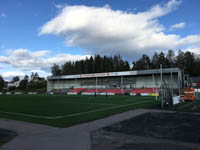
188	62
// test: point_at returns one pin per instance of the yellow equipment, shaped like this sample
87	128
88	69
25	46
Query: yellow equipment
189	94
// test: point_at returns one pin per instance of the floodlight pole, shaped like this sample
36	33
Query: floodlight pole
57	85
161	80
96	85
121	82
63	85
179	88
172	82
154	85
153	81
75	84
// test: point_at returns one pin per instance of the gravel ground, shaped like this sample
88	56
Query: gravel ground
150	131
6	135
110	133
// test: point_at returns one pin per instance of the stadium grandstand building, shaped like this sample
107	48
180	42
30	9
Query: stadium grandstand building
134	82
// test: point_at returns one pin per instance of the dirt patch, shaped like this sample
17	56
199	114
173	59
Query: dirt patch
6	135
151	131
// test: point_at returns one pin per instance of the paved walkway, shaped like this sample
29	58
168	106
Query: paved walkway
41	137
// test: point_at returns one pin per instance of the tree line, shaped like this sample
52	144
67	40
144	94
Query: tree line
26	84
188	62
94	64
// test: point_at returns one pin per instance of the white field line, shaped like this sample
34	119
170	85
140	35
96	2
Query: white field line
186	105
26	115
193	108
77	114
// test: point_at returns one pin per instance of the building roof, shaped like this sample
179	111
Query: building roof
114	74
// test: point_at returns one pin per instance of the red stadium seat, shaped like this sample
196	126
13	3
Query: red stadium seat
146	90
77	90
115	91
93	91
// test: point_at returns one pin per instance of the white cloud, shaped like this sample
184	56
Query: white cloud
4	60
195	50
12	74
105	31
39	60
2	67
178	26
58	6
158	11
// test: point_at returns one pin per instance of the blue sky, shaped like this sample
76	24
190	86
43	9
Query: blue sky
35	34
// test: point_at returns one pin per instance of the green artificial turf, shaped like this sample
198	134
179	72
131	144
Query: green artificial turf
65	105
187	106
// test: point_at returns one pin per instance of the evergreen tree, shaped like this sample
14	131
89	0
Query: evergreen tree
110	65
142	64
116	63
98	64
171	58
2	83
180	60
155	61
16	78
162	60
126	66
189	63
24	82
55	70
196	70
91	65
